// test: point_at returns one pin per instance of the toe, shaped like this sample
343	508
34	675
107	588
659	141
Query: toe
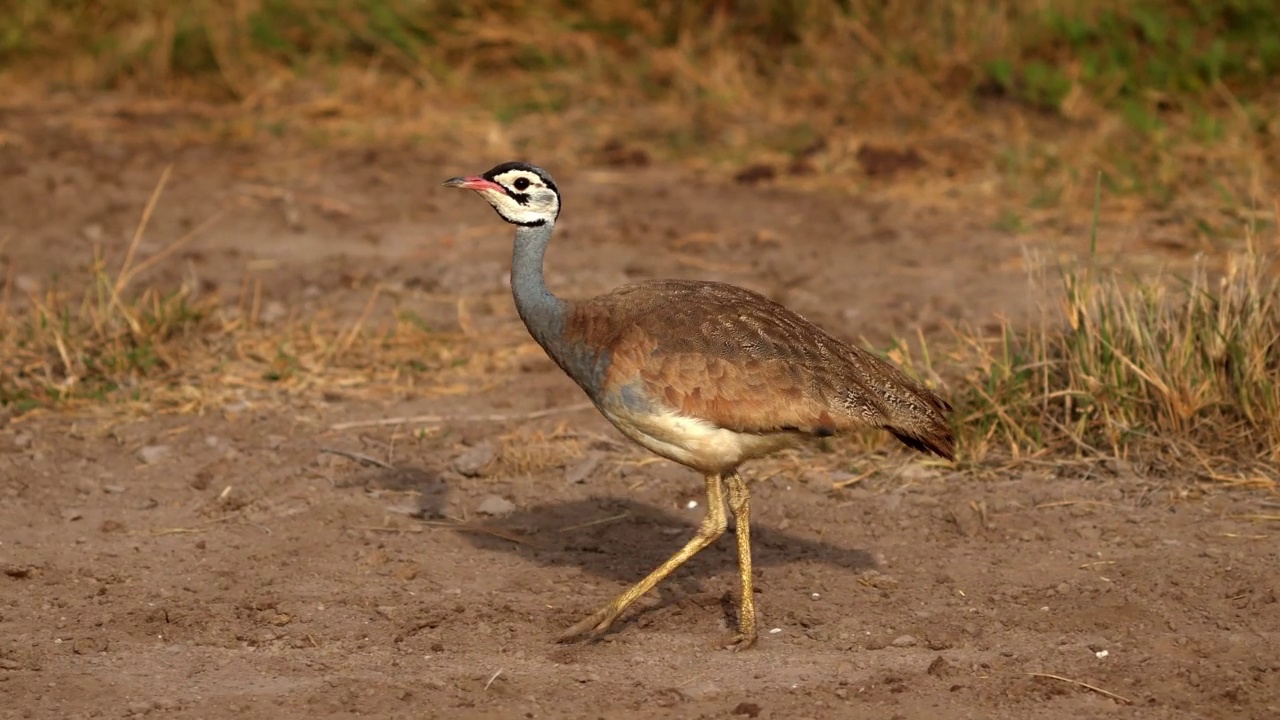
592	625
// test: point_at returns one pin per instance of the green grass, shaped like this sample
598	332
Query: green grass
1117	51
1164	96
1145	59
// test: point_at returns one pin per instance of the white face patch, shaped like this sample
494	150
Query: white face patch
527	200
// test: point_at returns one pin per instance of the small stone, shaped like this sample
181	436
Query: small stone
918	471
496	506
88	646
152	454
71	514
273	312
904	641
26	284
112	526
577	474
701	690
22	440
212	441
939	667
967	519
749	709
202	479
471	462
113	489
7	664
138	707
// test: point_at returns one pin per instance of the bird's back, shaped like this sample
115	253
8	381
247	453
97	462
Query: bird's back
730	359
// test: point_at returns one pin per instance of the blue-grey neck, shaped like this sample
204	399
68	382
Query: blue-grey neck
542	312
545	314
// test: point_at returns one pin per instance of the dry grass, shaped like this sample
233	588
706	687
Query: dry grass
1174	373
1168	372
1170	98
178	351
1013	108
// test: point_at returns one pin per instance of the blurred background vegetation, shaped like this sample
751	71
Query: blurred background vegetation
1172	100
1025	112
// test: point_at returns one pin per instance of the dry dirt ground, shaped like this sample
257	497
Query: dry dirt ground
222	565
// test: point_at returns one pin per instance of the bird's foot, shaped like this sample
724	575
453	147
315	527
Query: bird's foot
739	641
592	626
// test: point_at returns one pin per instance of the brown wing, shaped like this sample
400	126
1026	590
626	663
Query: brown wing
737	359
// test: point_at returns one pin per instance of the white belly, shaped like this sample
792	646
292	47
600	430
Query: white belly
693	442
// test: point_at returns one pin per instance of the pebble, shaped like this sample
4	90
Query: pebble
471	462
26	284
152	454
72	514
903	641
7	664
496	506
577	474
22	440
273	312
700	691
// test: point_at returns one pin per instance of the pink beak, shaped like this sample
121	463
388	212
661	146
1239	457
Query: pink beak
473	182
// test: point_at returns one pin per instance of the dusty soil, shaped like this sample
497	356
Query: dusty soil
225	565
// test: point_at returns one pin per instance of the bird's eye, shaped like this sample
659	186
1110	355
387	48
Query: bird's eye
521	183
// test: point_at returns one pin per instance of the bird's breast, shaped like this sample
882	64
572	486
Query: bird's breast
690	441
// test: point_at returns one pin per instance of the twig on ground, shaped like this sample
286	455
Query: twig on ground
1067	503
477	529
1259	517
592	523
491	679
435	419
840	484
359	457
1085	685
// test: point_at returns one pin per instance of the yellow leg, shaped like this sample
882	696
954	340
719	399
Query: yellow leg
740	506
712	527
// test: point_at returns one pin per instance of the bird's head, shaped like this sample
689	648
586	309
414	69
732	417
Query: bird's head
521	193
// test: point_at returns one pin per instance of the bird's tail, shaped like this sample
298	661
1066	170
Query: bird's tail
914	414
924	428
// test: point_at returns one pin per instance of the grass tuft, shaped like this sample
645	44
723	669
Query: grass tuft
1172	372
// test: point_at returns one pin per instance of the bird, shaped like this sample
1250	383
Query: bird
706	374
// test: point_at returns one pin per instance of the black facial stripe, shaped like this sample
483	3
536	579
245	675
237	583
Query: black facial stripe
495	171
522	198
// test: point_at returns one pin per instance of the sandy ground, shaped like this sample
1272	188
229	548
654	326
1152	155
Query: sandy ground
223	565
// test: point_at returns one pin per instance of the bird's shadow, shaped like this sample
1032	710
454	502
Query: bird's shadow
620	539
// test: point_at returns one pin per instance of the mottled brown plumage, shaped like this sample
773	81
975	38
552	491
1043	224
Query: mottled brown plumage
740	361
706	374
